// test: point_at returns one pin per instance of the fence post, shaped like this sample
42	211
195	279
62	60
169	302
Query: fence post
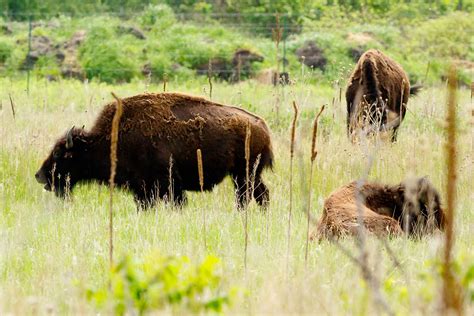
28	57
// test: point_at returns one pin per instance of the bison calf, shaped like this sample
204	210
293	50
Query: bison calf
412	207
377	94
159	135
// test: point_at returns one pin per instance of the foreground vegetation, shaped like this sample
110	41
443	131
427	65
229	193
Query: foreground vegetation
53	252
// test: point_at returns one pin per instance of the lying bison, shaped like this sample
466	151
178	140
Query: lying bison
158	138
412	207
377	94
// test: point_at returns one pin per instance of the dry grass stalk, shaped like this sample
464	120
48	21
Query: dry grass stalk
209	78
113	166
314	153
201	185
292	154
248	134
427	71
165	81
12	105
452	293
371	280
170	180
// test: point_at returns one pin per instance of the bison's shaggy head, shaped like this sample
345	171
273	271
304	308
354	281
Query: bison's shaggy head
62	169
422	211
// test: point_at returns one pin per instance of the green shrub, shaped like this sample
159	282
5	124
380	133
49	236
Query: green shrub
6	49
445	37
157	282
47	66
107	58
157	16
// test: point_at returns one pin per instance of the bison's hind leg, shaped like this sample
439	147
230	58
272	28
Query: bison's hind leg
241	192
173	194
261	194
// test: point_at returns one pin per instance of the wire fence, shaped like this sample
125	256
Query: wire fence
226	65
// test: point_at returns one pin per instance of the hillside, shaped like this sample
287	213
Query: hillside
157	43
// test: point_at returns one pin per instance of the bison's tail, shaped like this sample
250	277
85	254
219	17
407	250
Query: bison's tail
267	158
415	89
370	80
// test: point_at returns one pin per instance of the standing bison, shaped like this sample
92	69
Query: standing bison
377	94
158	138
412	207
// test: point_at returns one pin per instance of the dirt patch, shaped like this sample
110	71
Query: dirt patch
6	29
70	67
234	70
360	38
311	55
132	30
41	46
356	52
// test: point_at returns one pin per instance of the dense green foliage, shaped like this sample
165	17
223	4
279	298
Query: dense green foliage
183	36
156	282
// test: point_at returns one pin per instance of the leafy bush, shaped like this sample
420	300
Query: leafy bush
5	50
106	58
446	37
158	282
157	16
46	66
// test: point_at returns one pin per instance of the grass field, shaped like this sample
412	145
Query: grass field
52	250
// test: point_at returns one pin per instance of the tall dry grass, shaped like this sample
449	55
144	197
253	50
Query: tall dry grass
314	153
452	292
113	167
248	135
201	185
292	155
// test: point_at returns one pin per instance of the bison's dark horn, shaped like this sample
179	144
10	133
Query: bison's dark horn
69	142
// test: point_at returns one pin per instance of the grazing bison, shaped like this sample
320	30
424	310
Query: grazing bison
377	94
158	138
412	206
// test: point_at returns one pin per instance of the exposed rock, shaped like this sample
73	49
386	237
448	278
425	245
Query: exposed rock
311	55
71	67
240	67
356	52
360	39
6	29
50	24
147	69
41	46
77	39
270	77
132	30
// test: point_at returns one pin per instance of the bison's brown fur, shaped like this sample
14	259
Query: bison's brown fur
377	94
158	138
412	206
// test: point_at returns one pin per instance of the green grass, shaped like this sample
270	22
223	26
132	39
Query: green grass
51	250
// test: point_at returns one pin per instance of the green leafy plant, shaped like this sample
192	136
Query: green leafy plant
159	282
5	50
105	58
